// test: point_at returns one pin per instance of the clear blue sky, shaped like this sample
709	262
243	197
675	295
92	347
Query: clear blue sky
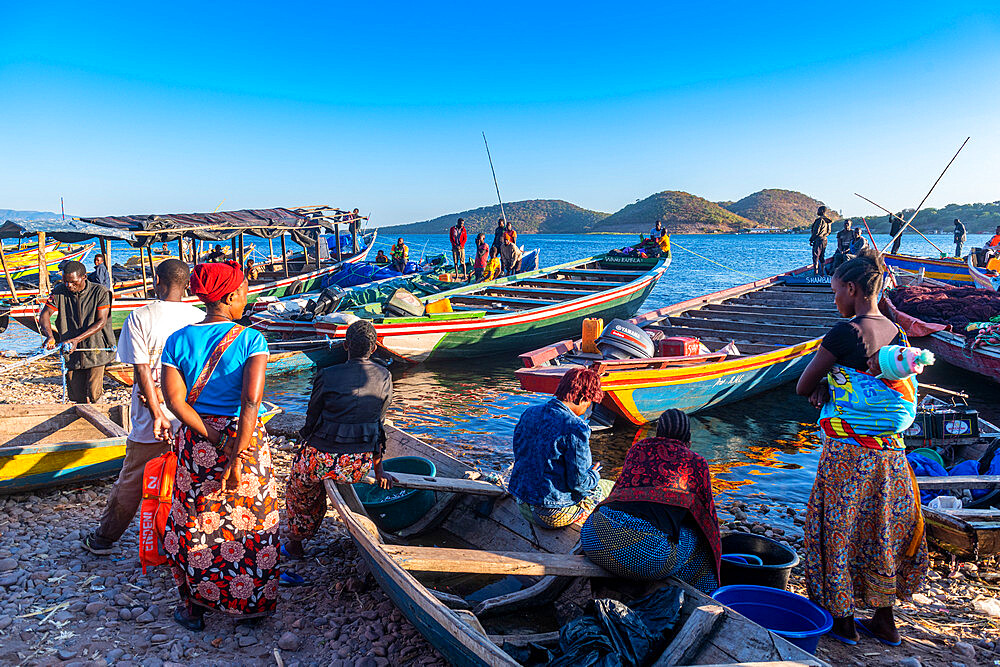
141	108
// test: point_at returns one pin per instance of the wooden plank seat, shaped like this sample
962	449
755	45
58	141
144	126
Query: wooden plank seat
960	482
560	294
727	335
503	299
443	484
761	318
475	561
772	311
583	285
755	327
629	275
655	362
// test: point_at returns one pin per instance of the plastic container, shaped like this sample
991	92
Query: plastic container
785	614
945	503
395	509
592	328
929	453
777	561
743	559
439	306
678	346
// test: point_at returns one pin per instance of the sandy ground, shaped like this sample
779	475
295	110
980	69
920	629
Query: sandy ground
62	605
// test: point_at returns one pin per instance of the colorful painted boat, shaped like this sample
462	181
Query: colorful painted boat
26	264
267	284
50	445
12	252
531	568
951	270
775	326
502	316
983	278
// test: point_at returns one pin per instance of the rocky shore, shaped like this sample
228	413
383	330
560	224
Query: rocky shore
61	605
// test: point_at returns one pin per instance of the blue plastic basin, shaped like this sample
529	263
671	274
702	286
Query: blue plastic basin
786	614
395	509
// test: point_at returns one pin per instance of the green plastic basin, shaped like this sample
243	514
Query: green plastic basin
395	509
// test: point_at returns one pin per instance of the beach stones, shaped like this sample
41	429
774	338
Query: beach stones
289	641
8	564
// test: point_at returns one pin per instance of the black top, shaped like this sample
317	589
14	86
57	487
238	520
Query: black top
896	225
854	341
75	313
665	517
347	407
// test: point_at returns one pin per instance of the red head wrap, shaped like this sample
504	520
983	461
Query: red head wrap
213	281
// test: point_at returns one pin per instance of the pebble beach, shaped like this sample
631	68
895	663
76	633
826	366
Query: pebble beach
64	606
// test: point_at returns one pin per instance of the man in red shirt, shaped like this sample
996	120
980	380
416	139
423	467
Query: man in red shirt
458	236
995	241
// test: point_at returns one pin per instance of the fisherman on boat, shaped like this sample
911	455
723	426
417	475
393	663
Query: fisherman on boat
554	480
858	243
252	271
221	534
657	231
864	536
100	274
896	232
844	238
959	237
217	254
659	520
343	437
509	251
820	230
458	235
83	324
381	257
494	268
482	257
498	235
143	336
400	255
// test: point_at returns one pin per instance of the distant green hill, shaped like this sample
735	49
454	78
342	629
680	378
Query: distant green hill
14	215
680	212
544	216
784	209
977	218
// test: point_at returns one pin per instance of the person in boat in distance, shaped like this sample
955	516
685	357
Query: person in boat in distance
960	236
457	235
83	324
381	257
858	243
864	536
343	437
896	227
659	520
217	254
554	479
820	230
993	244
509	251
400	255
657	231
482	257
100	274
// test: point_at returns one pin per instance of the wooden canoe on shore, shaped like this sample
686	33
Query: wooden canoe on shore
489	542
776	324
57	444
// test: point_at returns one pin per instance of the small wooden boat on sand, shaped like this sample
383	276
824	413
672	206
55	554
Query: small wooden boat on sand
489	542
775	323
56	444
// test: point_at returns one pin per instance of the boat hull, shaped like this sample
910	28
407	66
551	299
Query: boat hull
951	271
31	468
951	348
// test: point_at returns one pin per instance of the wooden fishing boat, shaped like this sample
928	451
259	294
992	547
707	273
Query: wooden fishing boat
489	542
50	445
271	283
26	263
950	270
972	531
983	278
776	324
281	360
505	315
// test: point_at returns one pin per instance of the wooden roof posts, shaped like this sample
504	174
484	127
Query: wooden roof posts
6	274
284	256
152	273
336	234
43	269
142	265
243	258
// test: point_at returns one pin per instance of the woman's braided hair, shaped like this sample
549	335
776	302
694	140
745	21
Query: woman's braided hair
361	339
865	271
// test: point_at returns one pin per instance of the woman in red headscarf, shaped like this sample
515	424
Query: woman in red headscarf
222	533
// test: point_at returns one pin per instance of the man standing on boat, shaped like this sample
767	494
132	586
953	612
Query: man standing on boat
657	232
400	255
896	232
482	257
498	235
143	336
100	274
508	251
820	230
959	237
82	311
458	236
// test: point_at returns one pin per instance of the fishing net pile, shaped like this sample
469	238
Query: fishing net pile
957	306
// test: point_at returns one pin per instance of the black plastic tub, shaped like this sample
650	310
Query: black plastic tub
777	561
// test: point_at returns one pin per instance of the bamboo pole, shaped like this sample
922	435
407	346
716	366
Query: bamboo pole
893	215
232	245
284	256
6	274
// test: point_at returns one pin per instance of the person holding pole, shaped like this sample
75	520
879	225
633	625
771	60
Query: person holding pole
896	231
820	230
82	311
458	236
143	336
959	237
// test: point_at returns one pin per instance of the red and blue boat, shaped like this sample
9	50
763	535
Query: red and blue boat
763	334
951	270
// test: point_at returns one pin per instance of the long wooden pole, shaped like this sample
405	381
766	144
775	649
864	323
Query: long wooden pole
869	232
922	201
43	269
336	233
495	184
6	274
270	251
142	265
243	258
893	215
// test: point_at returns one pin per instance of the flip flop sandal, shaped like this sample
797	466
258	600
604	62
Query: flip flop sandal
864	629
290	579
842	640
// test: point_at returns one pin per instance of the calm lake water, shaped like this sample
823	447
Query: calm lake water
761	449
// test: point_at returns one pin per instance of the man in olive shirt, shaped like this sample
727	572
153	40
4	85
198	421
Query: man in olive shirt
820	230
82	311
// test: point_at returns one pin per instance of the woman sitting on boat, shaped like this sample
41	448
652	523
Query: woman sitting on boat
554	480
659	520
343	436
864	538
222	532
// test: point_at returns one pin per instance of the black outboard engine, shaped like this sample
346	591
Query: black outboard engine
623	340
326	302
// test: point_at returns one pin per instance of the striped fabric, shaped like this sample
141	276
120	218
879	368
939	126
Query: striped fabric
560	517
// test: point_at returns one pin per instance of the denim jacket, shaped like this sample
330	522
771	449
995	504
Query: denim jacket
552	464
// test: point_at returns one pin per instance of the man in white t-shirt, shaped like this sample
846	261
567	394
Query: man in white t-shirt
140	344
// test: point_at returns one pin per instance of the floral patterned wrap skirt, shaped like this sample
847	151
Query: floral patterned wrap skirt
223	546
305	495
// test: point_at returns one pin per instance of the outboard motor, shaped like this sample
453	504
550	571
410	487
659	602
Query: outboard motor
326	302
623	340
